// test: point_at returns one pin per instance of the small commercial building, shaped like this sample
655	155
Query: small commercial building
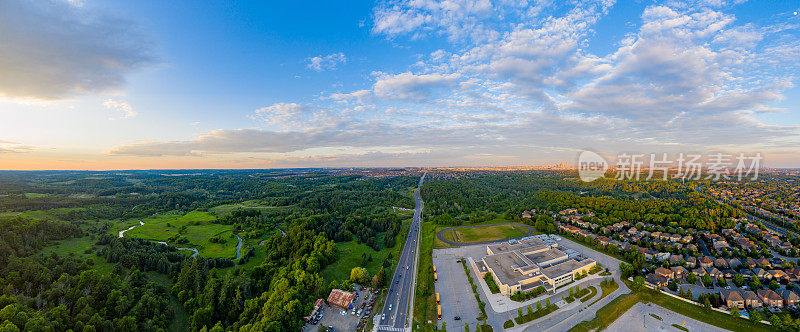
341	299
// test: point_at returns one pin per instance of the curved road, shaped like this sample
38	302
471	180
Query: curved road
440	235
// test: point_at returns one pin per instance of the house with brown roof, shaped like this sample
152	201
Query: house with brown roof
790	299
732	299
675	259
760	273
779	275
715	273
751	299
691	262
721	263
341	298
734	263
706	262
764	263
679	271
770	298
656	280
666	273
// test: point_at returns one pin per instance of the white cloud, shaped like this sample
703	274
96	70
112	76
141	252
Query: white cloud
120	107
411	87
689	78
54	49
327	62
13	147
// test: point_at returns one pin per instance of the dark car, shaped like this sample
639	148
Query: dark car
457	317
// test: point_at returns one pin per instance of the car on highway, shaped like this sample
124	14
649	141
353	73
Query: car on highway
457	317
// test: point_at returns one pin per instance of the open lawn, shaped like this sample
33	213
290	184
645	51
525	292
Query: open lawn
350	256
613	310
194	229
224	210
485	233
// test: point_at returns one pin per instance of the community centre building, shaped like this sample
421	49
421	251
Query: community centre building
523	265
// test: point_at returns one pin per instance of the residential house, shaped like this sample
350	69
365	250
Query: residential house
706	262
760	273
728	273
699	272
679	271
675	259
732	299
770	298
779	275
667	273
715	273
751	299
790	299
691	262
686	239
734	263
655	280
721	263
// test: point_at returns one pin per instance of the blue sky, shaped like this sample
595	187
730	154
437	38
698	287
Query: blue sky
183	84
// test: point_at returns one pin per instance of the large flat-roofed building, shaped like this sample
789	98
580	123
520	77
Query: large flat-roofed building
520	266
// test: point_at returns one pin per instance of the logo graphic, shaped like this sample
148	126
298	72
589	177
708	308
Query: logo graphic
591	166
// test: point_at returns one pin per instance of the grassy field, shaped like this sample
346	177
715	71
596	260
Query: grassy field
76	247
485	233
196	227
223	210
424	296
613	310
350	254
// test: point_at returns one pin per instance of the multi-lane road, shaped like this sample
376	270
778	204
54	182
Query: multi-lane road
396	309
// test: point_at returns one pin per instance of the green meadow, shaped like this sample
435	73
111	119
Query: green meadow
226	209
196	228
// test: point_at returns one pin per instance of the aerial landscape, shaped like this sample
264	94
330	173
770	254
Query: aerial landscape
399	165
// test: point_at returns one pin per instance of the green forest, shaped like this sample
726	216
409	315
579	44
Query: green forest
64	267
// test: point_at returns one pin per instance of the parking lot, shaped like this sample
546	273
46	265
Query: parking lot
345	320
455	293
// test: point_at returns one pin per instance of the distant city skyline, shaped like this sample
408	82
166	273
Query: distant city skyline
104	85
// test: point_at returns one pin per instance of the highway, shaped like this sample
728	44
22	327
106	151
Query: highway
396	309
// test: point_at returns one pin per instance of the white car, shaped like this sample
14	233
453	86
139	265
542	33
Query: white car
390	307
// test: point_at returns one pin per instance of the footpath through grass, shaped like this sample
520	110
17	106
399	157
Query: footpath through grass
616	308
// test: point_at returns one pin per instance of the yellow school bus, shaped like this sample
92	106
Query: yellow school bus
435	277
437	297
439	310
434	268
